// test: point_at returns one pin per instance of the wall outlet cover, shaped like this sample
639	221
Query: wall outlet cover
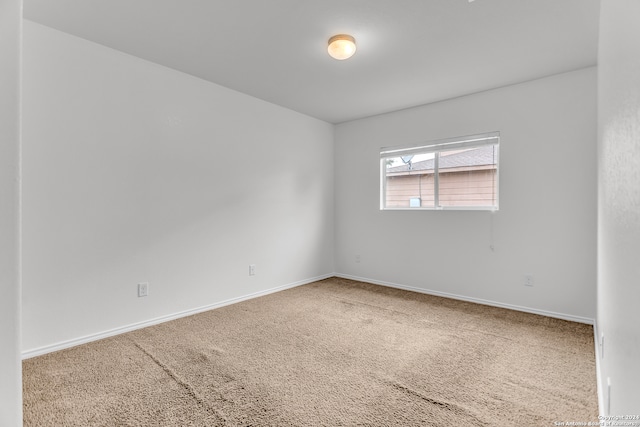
528	279
143	289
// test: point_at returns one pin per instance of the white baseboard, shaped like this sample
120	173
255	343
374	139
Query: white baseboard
562	316
127	328
132	327
599	379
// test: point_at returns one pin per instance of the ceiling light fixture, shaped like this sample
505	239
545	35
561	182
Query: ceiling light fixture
342	46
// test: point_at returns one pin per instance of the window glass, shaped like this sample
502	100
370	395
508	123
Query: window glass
457	173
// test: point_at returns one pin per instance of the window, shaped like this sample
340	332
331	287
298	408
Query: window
456	173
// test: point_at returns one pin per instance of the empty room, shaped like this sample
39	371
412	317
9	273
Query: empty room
320	213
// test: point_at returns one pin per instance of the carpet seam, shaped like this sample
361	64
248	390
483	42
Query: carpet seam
185	385
445	405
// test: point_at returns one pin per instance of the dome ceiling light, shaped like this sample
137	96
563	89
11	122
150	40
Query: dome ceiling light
342	46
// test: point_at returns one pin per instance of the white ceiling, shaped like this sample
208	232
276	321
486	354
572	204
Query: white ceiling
410	52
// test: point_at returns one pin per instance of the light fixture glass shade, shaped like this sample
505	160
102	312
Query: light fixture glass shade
342	46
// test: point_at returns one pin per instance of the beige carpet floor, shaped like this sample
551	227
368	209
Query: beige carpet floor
332	353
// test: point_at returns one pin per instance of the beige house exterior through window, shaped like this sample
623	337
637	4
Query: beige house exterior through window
465	178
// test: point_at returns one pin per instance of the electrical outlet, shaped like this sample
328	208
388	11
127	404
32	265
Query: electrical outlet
252	269
143	289
528	280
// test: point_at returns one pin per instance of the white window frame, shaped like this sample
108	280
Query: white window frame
470	141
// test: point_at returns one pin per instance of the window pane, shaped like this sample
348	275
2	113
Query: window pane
410	181
468	177
452	173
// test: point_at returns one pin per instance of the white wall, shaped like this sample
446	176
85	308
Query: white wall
546	225
10	368
134	172
619	203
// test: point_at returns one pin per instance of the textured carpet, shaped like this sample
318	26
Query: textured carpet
331	353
